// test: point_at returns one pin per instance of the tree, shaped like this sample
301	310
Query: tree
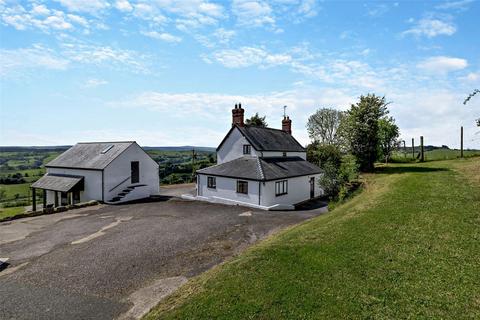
470	96
359	128
256	120
322	126
388	133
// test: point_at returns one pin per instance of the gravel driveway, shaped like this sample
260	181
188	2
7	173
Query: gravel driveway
118	261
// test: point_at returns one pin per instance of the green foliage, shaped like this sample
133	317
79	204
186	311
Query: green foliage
322	126
388	134
339	171
256	120
3	194
470	96
360	129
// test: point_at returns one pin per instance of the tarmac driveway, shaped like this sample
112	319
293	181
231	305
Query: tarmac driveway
118	261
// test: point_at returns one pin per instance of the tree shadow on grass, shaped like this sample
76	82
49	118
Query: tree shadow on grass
407	169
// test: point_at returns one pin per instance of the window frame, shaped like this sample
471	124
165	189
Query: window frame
284	154
211	185
247	147
244	189
281	188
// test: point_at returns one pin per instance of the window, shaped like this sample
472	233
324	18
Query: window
211	182
281	187
242	187
284	154
107	149
247	149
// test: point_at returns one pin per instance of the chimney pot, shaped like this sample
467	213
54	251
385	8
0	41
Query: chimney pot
287	124
238	116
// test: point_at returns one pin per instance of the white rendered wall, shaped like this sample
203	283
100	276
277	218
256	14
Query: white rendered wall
298	191
227	189
119	169
92	183
232	148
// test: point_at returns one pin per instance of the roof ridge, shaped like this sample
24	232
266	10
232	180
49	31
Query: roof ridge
260	168
99	142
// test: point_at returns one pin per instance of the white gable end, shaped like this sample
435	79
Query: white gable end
232	147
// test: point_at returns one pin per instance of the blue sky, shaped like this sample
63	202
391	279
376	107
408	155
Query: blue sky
168	72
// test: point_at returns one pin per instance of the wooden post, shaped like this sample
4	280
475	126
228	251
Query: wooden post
413	148
404	149
34	200
56	199
422	155
461	142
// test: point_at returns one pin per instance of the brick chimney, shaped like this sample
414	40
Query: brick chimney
238	115
287	125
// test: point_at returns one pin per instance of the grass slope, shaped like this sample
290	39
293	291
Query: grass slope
407	247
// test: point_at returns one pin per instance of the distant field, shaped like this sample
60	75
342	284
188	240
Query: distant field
407	247
434	155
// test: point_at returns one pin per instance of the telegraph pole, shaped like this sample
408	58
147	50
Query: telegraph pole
461	142
404	149
193	163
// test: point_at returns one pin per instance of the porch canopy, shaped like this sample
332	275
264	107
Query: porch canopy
59	182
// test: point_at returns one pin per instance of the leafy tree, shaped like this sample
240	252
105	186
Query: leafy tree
470	96
360	129
323	125
256	120
388	134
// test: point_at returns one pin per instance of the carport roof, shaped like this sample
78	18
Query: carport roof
262	169
56	182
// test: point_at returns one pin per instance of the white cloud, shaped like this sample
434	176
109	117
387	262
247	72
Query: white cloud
472	76
92	83
455	5
162	36
40	17
14	61
249	56
123	5
106	56
89	6
253	13
224	36
431	27
307	8
442	64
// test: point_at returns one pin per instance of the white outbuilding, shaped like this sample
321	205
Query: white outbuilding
111	172
259	167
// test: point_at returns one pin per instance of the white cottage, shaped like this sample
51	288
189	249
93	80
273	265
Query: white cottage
259	167
111	172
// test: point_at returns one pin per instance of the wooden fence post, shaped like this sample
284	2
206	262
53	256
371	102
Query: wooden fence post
413	148
422	155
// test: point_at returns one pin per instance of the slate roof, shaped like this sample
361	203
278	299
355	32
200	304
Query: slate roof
57	182
262	169
268	139
90	155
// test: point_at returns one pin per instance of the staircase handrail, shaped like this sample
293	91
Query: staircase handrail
122	182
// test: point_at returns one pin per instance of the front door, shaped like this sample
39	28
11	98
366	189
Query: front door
135	171
312	187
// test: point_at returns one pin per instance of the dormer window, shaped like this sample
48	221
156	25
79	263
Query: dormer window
247	149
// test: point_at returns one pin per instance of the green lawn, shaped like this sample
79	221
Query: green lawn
23	189
10	212
407	247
